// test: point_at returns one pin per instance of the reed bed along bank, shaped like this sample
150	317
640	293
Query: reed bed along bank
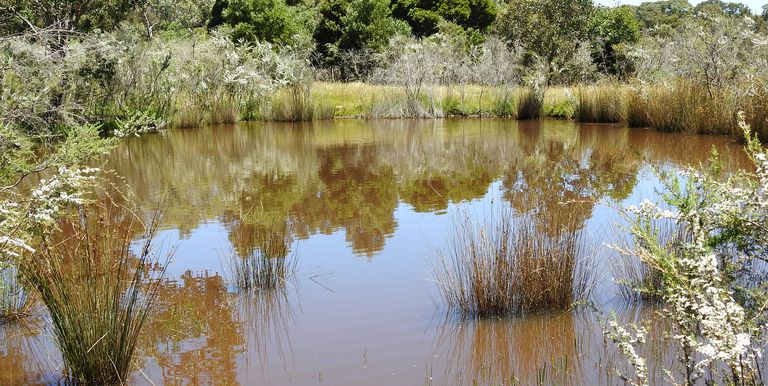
680	106
97	290
512	266
601	104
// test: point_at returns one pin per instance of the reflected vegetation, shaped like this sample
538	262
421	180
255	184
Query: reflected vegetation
24	358
195	337
350	175
503	351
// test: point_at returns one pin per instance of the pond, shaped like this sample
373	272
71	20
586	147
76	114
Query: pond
367	208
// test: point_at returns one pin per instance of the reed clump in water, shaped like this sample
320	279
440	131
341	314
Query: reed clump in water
267	267
97	291
530	104
601	104
512	267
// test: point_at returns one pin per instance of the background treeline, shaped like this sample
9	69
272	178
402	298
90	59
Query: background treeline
137	65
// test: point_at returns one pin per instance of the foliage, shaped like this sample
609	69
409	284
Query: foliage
64	16
271	21
549	31
663	15
425	16
721	8
355	26
609	28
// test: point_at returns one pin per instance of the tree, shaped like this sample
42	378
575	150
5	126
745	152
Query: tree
611	27
354	27
721	8
272	21
664	15
424	16
550	31
169	14
63	15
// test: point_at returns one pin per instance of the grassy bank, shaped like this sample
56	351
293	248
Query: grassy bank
681	106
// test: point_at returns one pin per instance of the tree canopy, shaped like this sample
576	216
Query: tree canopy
424	16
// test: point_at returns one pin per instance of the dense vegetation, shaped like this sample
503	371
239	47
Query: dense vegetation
130	66
74	75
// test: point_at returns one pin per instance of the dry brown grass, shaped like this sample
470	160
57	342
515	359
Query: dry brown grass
637	108
688	107
512	267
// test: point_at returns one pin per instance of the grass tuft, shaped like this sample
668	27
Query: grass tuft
98	293
512	267
530	104
267	267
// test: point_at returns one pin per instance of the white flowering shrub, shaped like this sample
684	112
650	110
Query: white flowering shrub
627	338
710	292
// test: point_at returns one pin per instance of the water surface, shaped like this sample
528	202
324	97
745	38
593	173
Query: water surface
368	205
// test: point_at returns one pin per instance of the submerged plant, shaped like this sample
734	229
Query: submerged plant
15	300
512	267
97	289
267	267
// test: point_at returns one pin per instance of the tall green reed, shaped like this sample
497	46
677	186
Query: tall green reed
98	290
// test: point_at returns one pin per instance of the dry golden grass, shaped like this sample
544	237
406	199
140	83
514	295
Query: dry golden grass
687	107
601	104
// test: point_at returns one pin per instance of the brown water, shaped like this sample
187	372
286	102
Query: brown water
369	205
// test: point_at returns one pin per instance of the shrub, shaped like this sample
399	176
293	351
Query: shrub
712	278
